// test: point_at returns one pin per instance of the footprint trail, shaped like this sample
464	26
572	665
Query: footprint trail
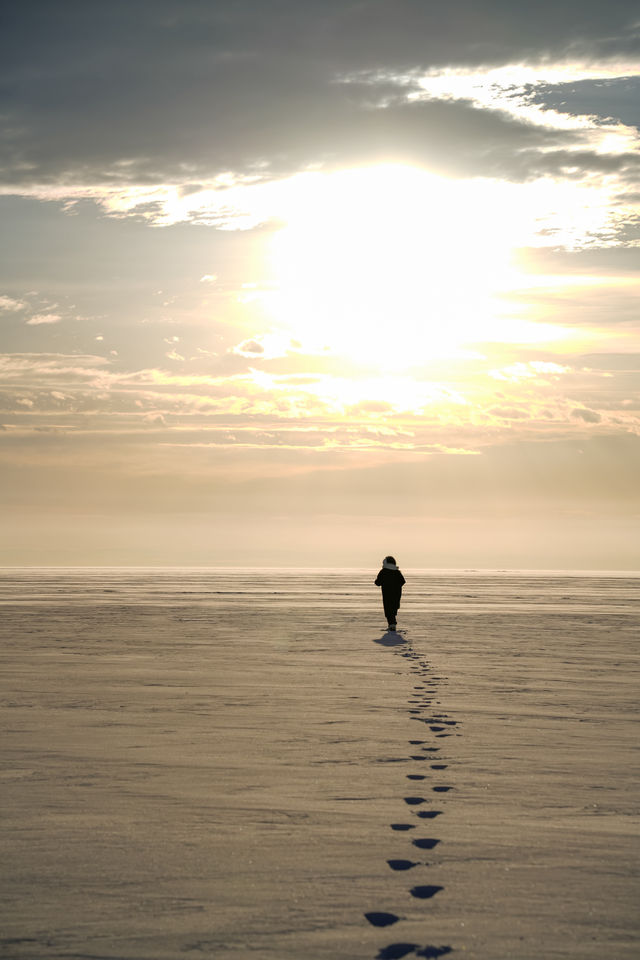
422	707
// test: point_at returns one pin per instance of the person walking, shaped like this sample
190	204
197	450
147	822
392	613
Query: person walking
391	580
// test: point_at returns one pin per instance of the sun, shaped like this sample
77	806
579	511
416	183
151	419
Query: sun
392	265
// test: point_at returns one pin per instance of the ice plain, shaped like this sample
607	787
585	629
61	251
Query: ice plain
245	763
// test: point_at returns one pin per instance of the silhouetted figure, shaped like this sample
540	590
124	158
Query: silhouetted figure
392	582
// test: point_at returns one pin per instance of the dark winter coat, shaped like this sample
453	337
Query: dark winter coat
392	583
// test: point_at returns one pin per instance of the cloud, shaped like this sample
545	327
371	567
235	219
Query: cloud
11	305
268	346
529	164
179	93
509	413
45	366
608	98
174	355
589	416
450	136
42	318
249	348
377	413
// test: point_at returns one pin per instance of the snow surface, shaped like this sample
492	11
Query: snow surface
244	763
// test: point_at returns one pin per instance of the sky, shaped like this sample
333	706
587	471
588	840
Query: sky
307	283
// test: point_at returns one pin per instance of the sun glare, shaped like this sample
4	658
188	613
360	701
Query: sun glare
397	267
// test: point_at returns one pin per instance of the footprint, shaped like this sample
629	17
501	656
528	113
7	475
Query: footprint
395	951
417	742
433	952
426	844
430	749
439	766
403	826
414	711
415	801
402	864
418	756
377	919
415	776
436	729
422	893
441	789
429	814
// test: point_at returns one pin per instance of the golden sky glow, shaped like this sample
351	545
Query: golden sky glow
355	277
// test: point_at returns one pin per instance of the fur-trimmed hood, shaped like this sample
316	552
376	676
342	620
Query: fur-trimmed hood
389	566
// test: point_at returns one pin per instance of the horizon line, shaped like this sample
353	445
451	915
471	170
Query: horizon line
463	570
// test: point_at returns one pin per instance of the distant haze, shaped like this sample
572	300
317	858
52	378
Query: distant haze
307	283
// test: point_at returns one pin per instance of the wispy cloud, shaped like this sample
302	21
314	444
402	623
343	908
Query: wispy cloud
40	318
10	304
